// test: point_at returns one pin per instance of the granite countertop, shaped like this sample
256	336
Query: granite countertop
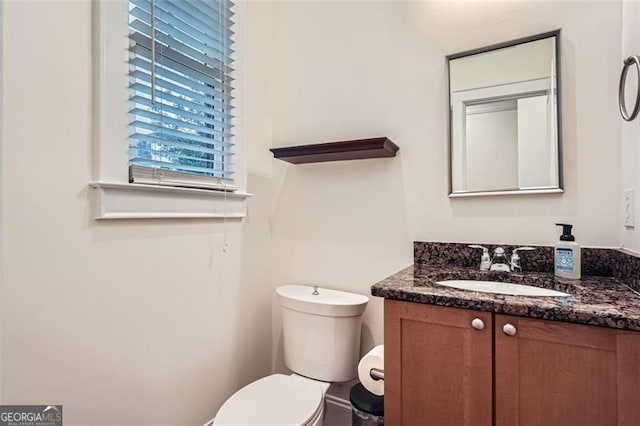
593	300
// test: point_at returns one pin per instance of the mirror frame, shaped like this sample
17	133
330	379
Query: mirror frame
497	46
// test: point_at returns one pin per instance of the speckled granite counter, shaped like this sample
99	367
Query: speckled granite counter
593	300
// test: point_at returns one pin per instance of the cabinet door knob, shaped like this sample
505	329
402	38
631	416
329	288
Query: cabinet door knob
509	329
477	323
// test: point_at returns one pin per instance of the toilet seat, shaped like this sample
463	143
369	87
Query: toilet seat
274	400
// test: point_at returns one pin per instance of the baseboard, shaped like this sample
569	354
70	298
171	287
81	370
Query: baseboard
339	402
338	411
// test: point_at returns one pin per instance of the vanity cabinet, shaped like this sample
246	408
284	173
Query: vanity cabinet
446	366
556	373
437	366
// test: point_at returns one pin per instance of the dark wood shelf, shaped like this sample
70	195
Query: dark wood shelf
337	151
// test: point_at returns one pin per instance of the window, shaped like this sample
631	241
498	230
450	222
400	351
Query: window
164	107
180	93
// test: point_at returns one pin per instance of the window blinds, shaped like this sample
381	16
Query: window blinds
180	93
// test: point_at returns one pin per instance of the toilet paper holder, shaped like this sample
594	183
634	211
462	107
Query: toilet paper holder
376	374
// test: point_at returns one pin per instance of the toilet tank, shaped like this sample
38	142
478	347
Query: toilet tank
321	331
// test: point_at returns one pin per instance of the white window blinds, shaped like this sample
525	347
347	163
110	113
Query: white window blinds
180	93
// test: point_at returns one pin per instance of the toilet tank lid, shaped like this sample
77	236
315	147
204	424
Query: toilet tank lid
274	400
326	302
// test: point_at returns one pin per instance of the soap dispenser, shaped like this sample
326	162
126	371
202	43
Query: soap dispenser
567	254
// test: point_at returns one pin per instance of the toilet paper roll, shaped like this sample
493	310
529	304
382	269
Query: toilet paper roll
373	359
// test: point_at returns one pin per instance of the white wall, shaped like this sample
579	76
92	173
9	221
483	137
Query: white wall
536	142
492	139
515	64
122	322
631	130
346	70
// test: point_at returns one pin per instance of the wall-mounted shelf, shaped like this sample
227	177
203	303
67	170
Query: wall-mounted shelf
337	151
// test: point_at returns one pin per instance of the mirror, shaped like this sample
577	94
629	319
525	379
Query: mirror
504	116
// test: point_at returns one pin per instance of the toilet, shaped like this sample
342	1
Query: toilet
321	332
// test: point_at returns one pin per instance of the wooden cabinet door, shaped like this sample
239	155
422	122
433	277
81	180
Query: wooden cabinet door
554	373
437	366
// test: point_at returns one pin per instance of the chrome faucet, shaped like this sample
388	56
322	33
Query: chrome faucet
515	258
485	260
499	260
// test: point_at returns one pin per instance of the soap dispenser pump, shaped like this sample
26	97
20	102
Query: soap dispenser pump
567	254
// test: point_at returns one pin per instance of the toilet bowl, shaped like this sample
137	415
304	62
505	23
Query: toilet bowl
321	332
276	400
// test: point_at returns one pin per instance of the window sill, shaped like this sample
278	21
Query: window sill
138	201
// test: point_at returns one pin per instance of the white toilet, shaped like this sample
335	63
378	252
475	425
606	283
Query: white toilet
321	330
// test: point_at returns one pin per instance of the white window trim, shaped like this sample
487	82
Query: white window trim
114	196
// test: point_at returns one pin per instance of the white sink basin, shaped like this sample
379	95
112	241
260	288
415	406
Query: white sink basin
501	288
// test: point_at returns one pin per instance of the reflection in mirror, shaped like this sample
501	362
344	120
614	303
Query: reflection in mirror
504	118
